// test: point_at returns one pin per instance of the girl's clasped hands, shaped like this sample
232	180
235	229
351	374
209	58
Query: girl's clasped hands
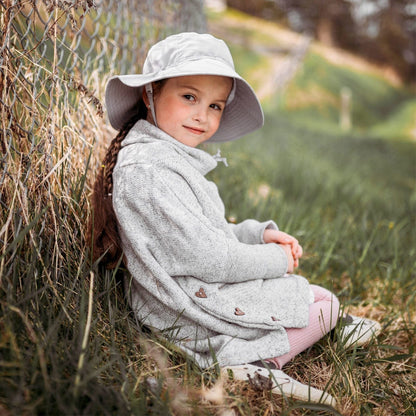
289	243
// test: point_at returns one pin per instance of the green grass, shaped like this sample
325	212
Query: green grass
400	125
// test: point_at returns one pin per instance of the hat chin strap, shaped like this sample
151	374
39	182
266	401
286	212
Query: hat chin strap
231	95
149	93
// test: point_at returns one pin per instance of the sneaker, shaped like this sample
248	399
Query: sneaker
278	382
356	331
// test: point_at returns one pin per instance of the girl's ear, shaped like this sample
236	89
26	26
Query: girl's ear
145	97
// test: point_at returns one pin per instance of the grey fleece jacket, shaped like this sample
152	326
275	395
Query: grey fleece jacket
215	287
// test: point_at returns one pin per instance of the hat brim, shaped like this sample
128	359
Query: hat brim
241	116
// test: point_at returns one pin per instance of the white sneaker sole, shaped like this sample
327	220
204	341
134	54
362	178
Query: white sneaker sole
281	383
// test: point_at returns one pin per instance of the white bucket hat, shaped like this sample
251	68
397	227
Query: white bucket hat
181	55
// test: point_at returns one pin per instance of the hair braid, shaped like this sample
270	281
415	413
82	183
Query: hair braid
110	160
103	235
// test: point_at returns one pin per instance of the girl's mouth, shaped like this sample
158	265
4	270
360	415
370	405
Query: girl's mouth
194	130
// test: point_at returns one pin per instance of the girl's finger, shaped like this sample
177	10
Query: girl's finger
295	249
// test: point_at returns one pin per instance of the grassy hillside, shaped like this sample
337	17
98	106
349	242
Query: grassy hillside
316	94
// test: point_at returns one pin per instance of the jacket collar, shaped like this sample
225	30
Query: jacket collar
146	133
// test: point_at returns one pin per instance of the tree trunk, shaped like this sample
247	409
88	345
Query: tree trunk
324	31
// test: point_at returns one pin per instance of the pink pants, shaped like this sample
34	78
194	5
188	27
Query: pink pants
323	315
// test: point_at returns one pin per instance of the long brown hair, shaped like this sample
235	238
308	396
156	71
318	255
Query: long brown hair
103	236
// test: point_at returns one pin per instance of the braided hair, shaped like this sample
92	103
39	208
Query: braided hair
103	236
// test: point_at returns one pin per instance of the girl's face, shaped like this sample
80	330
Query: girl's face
189	108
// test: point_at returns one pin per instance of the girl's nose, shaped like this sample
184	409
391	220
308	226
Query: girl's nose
200	114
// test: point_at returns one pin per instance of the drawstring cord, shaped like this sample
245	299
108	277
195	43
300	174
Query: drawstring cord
218	158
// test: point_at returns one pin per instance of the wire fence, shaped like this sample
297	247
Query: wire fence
55	58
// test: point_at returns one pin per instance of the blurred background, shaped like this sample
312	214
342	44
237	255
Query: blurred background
383	31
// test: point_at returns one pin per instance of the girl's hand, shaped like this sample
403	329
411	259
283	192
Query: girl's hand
279	237
290	260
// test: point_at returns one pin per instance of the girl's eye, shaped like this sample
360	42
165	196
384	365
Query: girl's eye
216	107
189	97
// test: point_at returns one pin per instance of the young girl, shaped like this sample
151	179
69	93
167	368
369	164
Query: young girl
225	292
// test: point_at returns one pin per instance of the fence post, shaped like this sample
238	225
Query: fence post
345	111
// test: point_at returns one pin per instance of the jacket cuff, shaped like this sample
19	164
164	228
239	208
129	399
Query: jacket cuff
251	231
268	225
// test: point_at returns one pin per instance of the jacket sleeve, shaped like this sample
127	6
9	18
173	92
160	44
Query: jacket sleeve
168	223
251	231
